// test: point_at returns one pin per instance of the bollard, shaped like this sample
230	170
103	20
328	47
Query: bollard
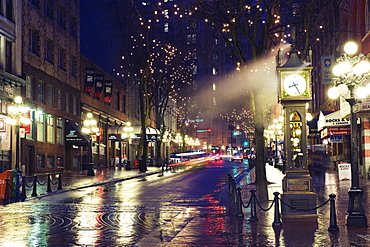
277	218
23	196
49	184
6	192
34	191
333	217
239	203
59	181
253	206
234	192
229	183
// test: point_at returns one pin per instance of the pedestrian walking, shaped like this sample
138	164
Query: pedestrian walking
318	163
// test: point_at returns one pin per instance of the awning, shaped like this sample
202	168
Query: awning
74	136
331	119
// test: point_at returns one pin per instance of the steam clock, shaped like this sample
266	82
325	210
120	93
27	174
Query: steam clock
294	94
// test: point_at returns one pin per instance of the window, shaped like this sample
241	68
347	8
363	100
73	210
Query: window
49	8
214	71
214	86
61	59
195	69
117	99
50	96
50	161
73	66
40	161
35	3
49	50
31	135
60	162
68	102
50	129
8	57
40	123
61	16
41	92
9	10
73	26
60	135
30	87
74	105
60	100
166	29
34	41
194	38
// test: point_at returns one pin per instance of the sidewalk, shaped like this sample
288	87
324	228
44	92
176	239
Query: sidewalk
77	180
310	231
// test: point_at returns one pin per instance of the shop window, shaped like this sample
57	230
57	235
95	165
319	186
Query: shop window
60	162
50	129
40	161
50	161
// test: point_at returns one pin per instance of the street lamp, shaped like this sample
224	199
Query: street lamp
90	127
17	116
128	134
350	73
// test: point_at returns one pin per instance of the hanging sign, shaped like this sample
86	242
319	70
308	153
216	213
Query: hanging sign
108	91
89	79
99	84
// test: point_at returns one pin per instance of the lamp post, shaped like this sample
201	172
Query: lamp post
277	130
17	116
350	73
90	127
127	134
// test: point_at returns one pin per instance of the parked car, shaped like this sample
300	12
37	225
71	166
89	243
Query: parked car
237	157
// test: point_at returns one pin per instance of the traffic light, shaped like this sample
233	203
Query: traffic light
245	143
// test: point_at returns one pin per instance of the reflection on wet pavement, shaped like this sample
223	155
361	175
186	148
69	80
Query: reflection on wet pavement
190	208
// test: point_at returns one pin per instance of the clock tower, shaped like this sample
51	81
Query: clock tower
294	94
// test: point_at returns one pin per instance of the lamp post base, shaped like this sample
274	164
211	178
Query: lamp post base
356	216
356	221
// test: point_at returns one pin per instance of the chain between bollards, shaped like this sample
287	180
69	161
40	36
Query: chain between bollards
277	214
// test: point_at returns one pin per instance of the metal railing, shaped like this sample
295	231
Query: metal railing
235	194
18	192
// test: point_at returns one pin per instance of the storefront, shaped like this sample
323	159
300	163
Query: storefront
335	132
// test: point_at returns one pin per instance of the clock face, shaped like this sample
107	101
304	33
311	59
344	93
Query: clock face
294	84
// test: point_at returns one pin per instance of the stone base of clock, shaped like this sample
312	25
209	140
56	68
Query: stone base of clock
298	197
299	204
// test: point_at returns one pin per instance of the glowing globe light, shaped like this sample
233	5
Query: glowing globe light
361	92
342	68
350	48
361	68
333	93
342	89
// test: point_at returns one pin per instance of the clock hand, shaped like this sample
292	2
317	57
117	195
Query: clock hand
294	85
